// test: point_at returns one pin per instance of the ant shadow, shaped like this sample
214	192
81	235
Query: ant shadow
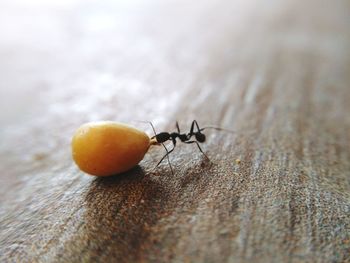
197	171
120	213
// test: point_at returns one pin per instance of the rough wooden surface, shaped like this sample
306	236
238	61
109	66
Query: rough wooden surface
277	71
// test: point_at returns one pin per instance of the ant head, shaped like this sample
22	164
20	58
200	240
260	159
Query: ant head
200	137
162	137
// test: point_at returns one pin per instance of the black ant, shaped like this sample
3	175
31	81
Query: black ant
195	132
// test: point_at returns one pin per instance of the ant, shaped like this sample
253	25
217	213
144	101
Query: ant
199	137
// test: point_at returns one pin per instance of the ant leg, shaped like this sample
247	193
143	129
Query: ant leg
198	129
189	142
166	149
177	127
167	155
190	134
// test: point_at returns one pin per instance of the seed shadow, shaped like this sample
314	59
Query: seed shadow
120	213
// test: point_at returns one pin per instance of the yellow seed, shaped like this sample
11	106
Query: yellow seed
238	161
106	148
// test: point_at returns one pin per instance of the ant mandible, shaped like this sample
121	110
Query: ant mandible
162	137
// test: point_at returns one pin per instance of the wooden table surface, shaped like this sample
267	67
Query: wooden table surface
277	72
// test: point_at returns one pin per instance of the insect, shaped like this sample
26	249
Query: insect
106	148
162	137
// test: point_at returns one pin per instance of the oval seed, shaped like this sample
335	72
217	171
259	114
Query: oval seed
106	148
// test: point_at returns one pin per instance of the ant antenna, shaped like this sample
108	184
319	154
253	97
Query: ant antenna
217	128
166	149
226	130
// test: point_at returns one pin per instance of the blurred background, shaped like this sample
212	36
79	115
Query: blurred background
63	63
277	68
52	52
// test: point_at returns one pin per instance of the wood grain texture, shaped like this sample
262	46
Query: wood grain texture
278	72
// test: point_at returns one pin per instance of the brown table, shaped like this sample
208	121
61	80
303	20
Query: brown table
277	72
